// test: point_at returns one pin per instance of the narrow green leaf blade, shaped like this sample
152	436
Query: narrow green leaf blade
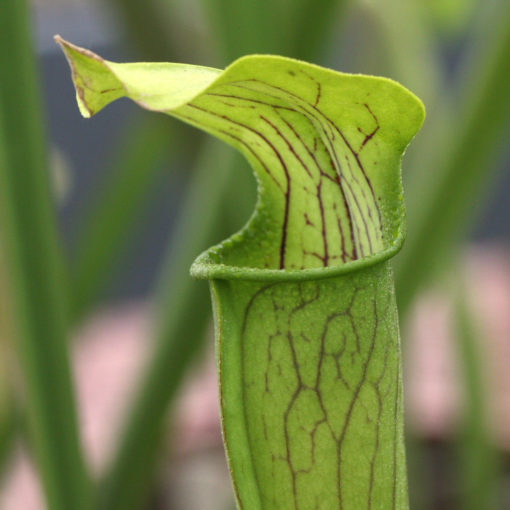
33	267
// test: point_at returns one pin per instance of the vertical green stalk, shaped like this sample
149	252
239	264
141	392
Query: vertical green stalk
35	270
106	230
478	461
181	317
7	408
445	197
308	38
248	26
8	411
146	25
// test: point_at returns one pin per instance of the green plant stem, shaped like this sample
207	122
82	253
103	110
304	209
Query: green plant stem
312	23
280	26
147	27
7	436
35	270
165	31
8	412
243	27
439	213
478	461
106	230
405	38
183	312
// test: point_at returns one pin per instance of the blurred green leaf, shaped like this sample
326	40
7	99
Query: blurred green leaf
312	24
183	311
35	270
443	198
294	28
147	25
407	46
450	17
479	464
106	231
245	27
8	411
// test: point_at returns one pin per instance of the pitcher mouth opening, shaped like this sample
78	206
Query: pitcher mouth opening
325	148
208	265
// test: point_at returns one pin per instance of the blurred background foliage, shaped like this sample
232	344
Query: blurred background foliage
114	209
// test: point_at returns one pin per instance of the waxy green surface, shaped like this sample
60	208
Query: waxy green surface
306	323
311	391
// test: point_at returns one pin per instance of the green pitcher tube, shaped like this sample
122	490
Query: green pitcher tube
310	391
